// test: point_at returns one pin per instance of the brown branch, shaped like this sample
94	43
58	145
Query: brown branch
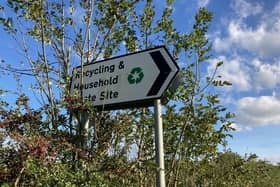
19	176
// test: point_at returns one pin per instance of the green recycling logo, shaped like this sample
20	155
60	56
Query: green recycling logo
136	75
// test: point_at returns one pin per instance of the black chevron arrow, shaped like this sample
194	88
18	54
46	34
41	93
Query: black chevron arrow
164	70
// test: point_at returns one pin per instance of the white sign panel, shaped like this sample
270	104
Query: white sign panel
126	80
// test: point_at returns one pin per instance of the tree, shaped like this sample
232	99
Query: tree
117	149
231	169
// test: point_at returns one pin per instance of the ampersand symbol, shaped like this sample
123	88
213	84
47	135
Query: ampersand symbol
121	65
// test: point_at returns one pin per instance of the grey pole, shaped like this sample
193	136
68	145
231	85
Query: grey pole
85	129
160	180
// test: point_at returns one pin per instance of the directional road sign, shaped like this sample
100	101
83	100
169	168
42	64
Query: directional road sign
131	80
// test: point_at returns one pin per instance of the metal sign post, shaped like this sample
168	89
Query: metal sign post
84	129
160	180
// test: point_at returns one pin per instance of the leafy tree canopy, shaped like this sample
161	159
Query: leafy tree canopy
51	145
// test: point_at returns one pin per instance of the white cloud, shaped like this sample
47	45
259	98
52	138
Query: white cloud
203	3
263	39
258	111
274	159
267	76
245	9
222	44
246	74
234	71
240	128
272	18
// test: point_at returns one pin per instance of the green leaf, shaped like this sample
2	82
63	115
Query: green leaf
219	64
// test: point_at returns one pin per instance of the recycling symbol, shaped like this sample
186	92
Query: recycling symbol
136	75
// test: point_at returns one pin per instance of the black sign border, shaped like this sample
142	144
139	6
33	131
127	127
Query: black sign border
134	103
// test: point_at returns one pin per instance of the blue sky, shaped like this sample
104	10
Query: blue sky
246	36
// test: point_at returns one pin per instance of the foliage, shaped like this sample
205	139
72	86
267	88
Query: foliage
51	145
230	169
